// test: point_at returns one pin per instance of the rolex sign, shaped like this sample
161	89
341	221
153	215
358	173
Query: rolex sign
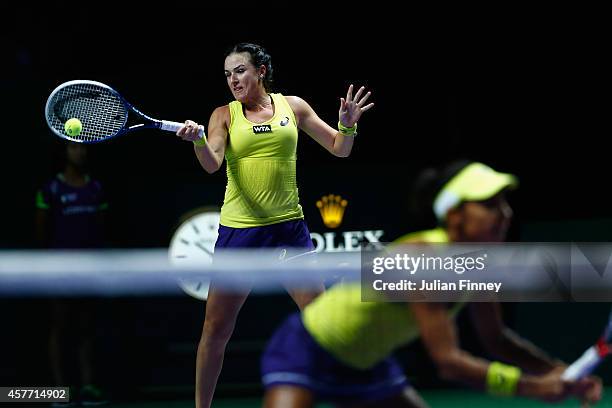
332	209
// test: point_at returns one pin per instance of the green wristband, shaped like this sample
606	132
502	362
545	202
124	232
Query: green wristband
347	131
201	141
502	379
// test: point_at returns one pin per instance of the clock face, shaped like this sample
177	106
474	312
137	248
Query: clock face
194	242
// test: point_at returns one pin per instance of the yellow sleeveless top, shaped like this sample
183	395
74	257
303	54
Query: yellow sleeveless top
361	334
261	168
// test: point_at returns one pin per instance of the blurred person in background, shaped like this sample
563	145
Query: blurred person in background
70	214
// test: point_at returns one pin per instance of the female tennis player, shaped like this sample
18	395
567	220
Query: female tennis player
257	134
339	349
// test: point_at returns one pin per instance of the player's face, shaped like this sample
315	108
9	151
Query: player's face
487	220
242	77
76	154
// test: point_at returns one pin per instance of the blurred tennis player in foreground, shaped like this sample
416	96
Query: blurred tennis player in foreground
339	348
257	134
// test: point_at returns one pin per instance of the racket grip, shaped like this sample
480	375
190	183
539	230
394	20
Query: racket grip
175	126
583	366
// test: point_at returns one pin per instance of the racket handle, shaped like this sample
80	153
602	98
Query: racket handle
583	366
175	126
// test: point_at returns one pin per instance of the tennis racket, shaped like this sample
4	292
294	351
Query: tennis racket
591	358
102	111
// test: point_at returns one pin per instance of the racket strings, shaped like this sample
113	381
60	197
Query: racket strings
101	112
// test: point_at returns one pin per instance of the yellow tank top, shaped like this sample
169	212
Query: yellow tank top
261	168
360	334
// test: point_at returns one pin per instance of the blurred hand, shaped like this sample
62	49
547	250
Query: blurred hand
189	132
551	387
351	108
588	390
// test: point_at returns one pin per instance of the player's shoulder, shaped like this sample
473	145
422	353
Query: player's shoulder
294	100
222	111
223	108
221	114
297	104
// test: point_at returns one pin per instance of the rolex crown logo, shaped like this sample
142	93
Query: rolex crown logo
332	208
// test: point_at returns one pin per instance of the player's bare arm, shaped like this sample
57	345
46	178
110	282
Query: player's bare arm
210	154
504	343
333	140
439	336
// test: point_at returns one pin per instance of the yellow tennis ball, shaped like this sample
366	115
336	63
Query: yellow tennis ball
73	127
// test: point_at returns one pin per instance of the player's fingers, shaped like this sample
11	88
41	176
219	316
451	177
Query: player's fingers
194	129
364	99
349	94
184	131
588	389
594	393
367	107
191	125
358	94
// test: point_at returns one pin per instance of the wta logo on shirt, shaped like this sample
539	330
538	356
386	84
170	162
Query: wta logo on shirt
262	129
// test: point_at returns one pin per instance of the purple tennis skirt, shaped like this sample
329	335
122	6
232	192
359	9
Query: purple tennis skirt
288	234
287	241
292	357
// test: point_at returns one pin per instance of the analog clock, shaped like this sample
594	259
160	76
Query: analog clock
193	241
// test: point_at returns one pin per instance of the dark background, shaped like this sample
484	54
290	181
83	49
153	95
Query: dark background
526	96
527	100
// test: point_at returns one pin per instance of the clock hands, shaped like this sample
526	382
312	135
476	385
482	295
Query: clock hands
203	248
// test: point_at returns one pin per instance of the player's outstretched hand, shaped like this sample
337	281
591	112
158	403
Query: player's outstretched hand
352	108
